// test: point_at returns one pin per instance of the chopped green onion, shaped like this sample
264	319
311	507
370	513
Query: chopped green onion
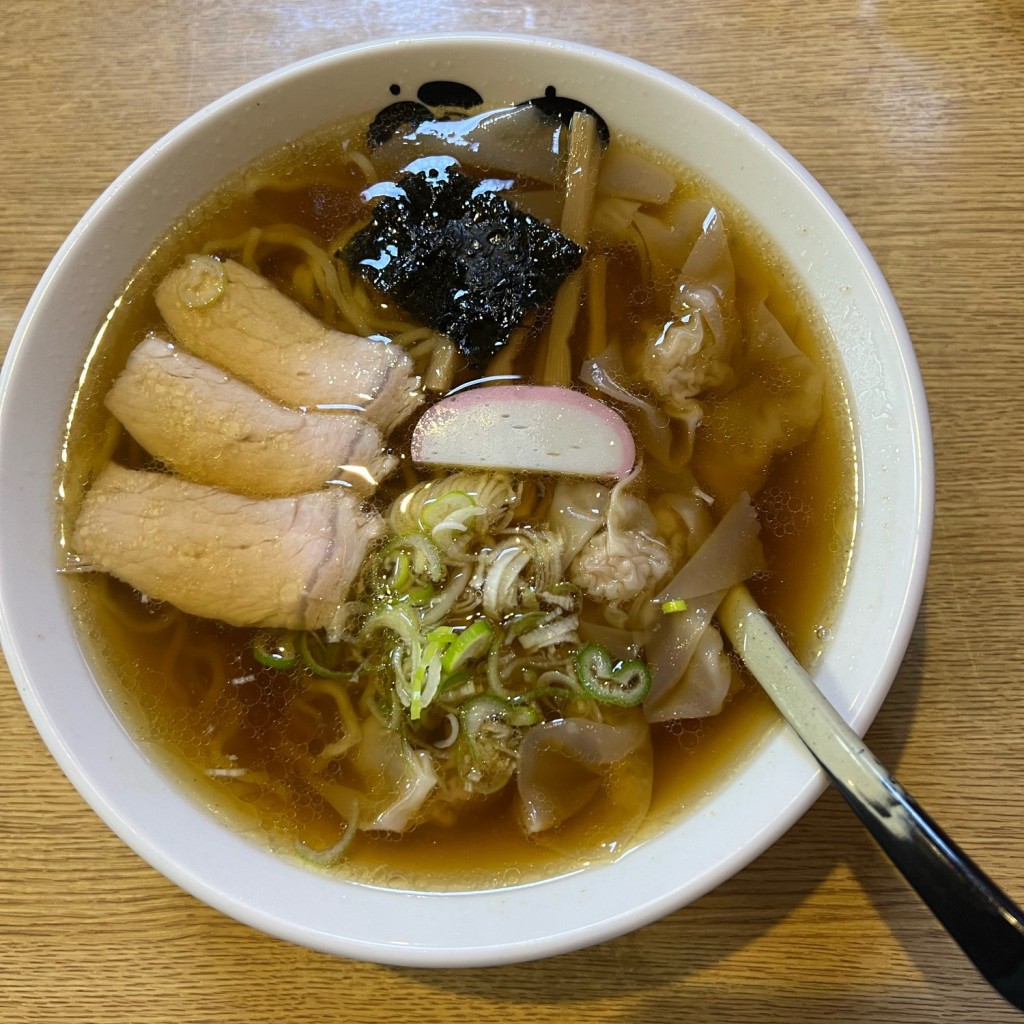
421	596
458	688
564	595
668	607
444	636
401	620
522	714
400	572
425	679
556	693
490	739
437	510
472	643
429	672
593	662
625	685
275	652
632	683
432	678
452	681
350	825
494	668
422	553
449	516
568	588
555	685
315	661
527	622
478	713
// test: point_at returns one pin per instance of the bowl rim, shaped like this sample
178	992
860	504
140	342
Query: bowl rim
556	938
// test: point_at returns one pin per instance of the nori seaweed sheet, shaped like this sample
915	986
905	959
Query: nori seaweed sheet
461	259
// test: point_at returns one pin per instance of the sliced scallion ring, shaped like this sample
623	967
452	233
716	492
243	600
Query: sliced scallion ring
443	636
437	510
624	685
421	596
423	556
398	571
526	622
277	652
593	662
480	713
491	741
314	652
523	713
632	683
472	643
670	607
452	681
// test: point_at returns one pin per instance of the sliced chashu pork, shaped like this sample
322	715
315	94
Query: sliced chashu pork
214	429
238	320
277	562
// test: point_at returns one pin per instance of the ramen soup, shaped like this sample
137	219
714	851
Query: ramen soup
406	476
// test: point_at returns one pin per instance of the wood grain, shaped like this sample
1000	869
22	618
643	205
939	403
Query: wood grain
912	116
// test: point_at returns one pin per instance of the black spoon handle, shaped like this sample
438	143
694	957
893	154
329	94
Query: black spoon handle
986	923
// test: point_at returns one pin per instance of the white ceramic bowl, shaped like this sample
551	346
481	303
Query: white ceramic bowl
140	802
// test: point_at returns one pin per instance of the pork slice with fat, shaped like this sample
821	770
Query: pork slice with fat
214	429
277	562
238	320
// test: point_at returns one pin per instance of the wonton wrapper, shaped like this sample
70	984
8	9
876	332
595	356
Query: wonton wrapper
579	779
773	410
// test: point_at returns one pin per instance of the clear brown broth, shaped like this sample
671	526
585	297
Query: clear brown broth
807	510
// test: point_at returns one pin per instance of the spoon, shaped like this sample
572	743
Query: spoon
984	921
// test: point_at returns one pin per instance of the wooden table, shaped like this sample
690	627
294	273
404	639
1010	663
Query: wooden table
912	115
